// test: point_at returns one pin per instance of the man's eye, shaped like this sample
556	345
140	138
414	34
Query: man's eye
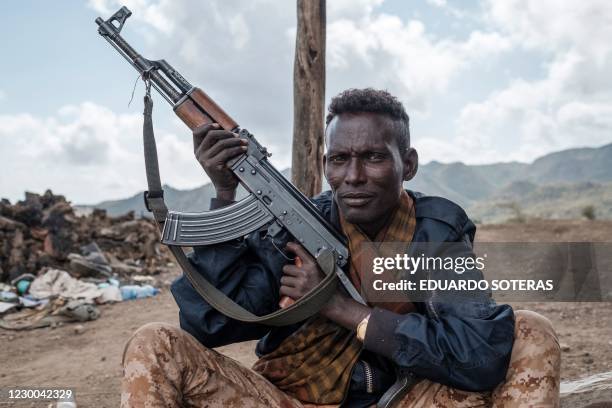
375	157
337	159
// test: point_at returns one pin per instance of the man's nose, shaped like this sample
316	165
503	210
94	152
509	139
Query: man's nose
355	173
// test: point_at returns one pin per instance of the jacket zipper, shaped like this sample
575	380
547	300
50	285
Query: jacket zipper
369	377
430	301
390	400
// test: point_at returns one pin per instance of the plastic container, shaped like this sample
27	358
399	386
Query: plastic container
129	292
67	403
22	286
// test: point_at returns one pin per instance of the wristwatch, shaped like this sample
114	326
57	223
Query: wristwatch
362	327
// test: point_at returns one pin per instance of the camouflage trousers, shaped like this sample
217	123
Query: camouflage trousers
164	366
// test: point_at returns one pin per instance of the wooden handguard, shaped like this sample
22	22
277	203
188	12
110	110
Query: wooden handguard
199	109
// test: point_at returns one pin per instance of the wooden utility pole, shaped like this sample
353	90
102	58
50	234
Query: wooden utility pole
309	96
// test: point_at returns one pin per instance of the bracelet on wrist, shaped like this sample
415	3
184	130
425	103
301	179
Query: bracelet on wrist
362	327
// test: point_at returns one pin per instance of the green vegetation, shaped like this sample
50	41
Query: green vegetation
588	212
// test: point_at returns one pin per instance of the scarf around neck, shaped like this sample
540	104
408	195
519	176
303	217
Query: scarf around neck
314	364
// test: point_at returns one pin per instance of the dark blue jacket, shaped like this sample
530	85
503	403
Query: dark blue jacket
466	345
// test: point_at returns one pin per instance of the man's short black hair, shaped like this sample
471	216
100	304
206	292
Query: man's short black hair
376	101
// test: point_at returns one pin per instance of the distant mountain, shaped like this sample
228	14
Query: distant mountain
523	199
192	200
573	165
196	199
462	183
557	185
470	184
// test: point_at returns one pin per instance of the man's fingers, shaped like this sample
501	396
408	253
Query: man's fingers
224	144
300	251
210	141
289	281
200	132
292	270
228	154
214	136
291	292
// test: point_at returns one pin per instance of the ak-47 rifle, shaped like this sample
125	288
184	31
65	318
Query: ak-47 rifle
273	202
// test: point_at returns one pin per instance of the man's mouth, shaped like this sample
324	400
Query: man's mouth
355	199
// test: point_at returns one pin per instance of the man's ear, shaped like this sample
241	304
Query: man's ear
324	166
411	163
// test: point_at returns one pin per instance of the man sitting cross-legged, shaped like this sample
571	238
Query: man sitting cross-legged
413	354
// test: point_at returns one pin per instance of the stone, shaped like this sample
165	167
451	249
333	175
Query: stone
595	391
10	225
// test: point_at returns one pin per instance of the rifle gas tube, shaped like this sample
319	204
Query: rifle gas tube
273	202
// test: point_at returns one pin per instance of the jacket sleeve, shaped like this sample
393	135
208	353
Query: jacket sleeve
248	271
460	343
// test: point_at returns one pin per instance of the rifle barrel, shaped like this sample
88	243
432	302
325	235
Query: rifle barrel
141	64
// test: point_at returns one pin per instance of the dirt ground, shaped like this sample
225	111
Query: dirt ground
89	362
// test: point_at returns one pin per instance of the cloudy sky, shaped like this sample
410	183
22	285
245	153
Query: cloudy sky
483	81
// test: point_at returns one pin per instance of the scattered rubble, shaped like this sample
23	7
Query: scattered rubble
57	266
43	231
54	312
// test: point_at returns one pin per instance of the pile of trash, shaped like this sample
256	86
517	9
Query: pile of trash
55	297
44	231
56	266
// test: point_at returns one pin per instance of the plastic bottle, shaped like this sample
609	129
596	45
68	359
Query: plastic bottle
22	286
137	292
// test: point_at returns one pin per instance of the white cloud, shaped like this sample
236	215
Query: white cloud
568	107
246	48
555	25
437	3
153	14
432	148
383	51
351	9
88	153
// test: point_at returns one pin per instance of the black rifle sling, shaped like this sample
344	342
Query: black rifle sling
305	307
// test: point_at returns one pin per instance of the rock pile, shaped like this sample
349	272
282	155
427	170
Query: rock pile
44	231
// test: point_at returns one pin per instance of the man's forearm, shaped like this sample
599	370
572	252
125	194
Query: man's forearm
345	311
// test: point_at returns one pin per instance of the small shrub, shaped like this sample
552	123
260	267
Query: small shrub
516	210
588	212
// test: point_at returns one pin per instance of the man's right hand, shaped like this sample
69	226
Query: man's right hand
213	148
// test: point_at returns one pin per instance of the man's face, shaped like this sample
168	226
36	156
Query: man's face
365	168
